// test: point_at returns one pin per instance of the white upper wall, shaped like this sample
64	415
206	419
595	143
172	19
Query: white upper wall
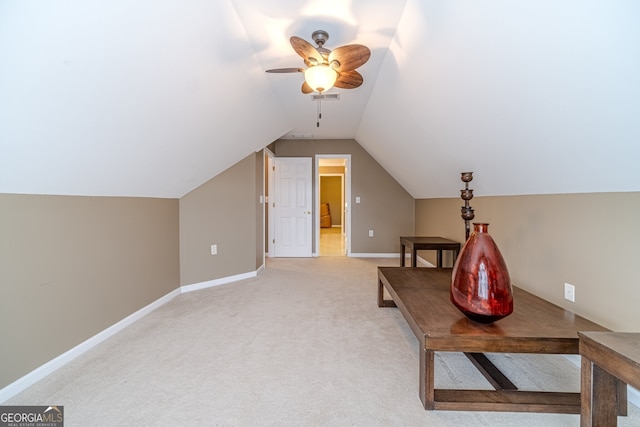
155	97
127	97
534	97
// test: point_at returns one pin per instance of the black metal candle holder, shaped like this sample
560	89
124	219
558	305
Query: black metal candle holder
466	195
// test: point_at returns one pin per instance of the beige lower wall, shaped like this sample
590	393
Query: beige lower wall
222	211
587	240
71	267
385	206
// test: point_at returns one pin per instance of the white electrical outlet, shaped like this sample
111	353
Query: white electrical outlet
370	233
569	292
214	249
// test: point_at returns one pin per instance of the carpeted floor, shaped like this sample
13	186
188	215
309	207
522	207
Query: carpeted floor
303	344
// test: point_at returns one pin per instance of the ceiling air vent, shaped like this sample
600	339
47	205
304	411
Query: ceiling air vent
325	97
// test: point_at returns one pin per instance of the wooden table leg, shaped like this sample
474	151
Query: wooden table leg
381	301
585	392
622	399
439	258
402	250
599	396
427	383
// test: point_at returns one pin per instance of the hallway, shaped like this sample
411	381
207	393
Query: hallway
332	242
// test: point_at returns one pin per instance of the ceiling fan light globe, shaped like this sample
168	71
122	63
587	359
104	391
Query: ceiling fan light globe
320	77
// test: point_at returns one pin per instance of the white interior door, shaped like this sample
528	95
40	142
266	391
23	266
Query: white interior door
292	207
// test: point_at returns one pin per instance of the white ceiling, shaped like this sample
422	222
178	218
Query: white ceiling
154	97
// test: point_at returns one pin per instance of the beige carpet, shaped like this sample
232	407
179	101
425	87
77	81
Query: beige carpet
303	344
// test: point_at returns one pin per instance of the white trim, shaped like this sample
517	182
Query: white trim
420	260
346	223
633	395
217	282
374	255
49	367
268	194
264	203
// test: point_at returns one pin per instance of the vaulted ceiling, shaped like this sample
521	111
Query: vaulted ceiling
155	97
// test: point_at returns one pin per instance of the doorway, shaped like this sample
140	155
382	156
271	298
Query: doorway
333	218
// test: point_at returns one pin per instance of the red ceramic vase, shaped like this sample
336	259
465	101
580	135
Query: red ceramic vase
480	286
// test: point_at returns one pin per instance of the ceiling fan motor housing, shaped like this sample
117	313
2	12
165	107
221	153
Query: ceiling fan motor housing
320	37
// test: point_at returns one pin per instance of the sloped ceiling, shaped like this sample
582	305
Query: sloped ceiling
153	98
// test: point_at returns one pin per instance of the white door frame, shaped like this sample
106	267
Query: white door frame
268	202
347	197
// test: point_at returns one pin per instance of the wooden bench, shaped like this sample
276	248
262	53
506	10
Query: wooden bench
536	326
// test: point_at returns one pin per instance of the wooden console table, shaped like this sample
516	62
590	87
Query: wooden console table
415	244
609	360
536	326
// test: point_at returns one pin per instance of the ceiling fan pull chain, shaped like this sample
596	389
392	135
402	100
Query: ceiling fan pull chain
319	114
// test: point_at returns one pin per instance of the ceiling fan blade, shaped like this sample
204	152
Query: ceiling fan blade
306	50
350	57
306	88
286	70
349	80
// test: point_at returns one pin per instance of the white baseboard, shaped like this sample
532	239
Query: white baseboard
66	357
42	371
633	395
420	260
217	282
374	255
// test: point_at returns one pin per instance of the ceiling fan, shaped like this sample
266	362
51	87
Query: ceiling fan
327	68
